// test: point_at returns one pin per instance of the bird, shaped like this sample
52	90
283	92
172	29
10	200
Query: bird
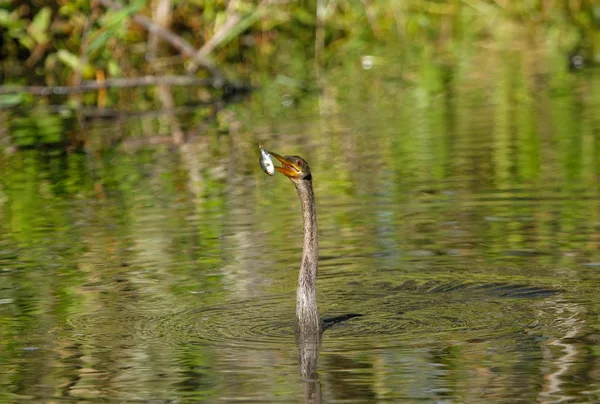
308	323
298	171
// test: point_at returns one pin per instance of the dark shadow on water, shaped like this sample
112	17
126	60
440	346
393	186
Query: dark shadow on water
331	321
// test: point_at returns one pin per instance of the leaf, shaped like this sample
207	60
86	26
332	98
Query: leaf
110	25
99	41
10	100
27	42
113	68
5	19
38	28
69	59
113	19
241	26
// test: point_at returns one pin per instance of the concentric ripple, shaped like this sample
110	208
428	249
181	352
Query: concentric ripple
391	314
253	323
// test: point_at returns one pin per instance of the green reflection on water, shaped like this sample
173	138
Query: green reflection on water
136	275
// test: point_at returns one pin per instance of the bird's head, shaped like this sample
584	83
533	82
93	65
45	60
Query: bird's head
293	167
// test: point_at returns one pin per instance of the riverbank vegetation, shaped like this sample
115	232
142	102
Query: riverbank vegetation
78	55
65	42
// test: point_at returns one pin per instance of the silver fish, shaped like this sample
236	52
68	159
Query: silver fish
265	161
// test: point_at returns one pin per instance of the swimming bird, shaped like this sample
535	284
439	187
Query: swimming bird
308	323
307	313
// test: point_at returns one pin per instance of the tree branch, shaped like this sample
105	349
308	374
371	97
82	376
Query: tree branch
179	43
87	86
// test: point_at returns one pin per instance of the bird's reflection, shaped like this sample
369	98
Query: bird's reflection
308	345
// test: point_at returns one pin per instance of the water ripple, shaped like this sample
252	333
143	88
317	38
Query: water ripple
393	314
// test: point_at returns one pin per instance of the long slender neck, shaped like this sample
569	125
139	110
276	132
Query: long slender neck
307	314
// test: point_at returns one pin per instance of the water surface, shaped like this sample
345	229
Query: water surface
462	222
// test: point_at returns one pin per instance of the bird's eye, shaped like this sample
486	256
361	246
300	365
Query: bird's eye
299	163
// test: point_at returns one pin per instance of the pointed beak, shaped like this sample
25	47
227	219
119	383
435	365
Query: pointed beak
289	168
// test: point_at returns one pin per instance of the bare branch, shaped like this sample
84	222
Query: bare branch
175	40
232	19
87	86
213	42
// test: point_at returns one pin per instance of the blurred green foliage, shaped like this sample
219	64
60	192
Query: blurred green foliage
447	156
39	127
63	43
46	42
